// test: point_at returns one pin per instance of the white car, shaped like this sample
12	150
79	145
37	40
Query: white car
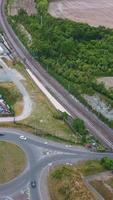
50	164
67	146
22	137
69	164
45	142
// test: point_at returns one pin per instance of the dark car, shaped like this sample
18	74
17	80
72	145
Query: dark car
1	134
33	184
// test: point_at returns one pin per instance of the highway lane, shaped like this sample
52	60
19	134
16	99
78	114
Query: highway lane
96	127
38	162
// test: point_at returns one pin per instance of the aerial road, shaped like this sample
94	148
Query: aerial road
76	109
37	161
34	146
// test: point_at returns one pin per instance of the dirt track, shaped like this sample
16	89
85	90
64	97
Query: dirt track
93	12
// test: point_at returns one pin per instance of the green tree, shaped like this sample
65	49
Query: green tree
107	163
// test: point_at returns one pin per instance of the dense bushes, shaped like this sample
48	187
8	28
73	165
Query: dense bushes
80	129
107	163
74	53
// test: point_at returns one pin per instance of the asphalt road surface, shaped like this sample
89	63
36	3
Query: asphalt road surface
96	127
37	161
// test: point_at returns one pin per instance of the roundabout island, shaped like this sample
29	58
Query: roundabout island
12	161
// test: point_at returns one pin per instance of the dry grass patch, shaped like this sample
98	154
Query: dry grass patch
110	182
12	161
18	107
102	189
66	182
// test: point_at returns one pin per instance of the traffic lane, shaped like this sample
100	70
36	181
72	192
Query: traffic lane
34	191
21	180
16	132
65	148
42	143
16	184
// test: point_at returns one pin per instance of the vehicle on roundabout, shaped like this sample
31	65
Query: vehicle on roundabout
2	134
22	137
33	184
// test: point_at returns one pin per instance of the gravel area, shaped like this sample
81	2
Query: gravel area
100	106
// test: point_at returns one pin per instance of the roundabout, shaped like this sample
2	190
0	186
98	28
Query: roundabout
41	155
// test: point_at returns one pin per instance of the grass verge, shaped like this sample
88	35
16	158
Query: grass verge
66	182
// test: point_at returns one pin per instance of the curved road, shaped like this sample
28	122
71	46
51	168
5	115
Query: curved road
37	161
96	127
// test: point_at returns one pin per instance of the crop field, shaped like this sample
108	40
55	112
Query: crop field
93	12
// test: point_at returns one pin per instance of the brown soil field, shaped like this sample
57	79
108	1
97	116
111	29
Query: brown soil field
28	5
93	12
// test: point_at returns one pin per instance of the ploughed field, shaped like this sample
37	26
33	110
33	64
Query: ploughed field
93	12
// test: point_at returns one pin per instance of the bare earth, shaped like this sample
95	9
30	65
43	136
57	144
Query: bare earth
28	5
108	81
93	12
